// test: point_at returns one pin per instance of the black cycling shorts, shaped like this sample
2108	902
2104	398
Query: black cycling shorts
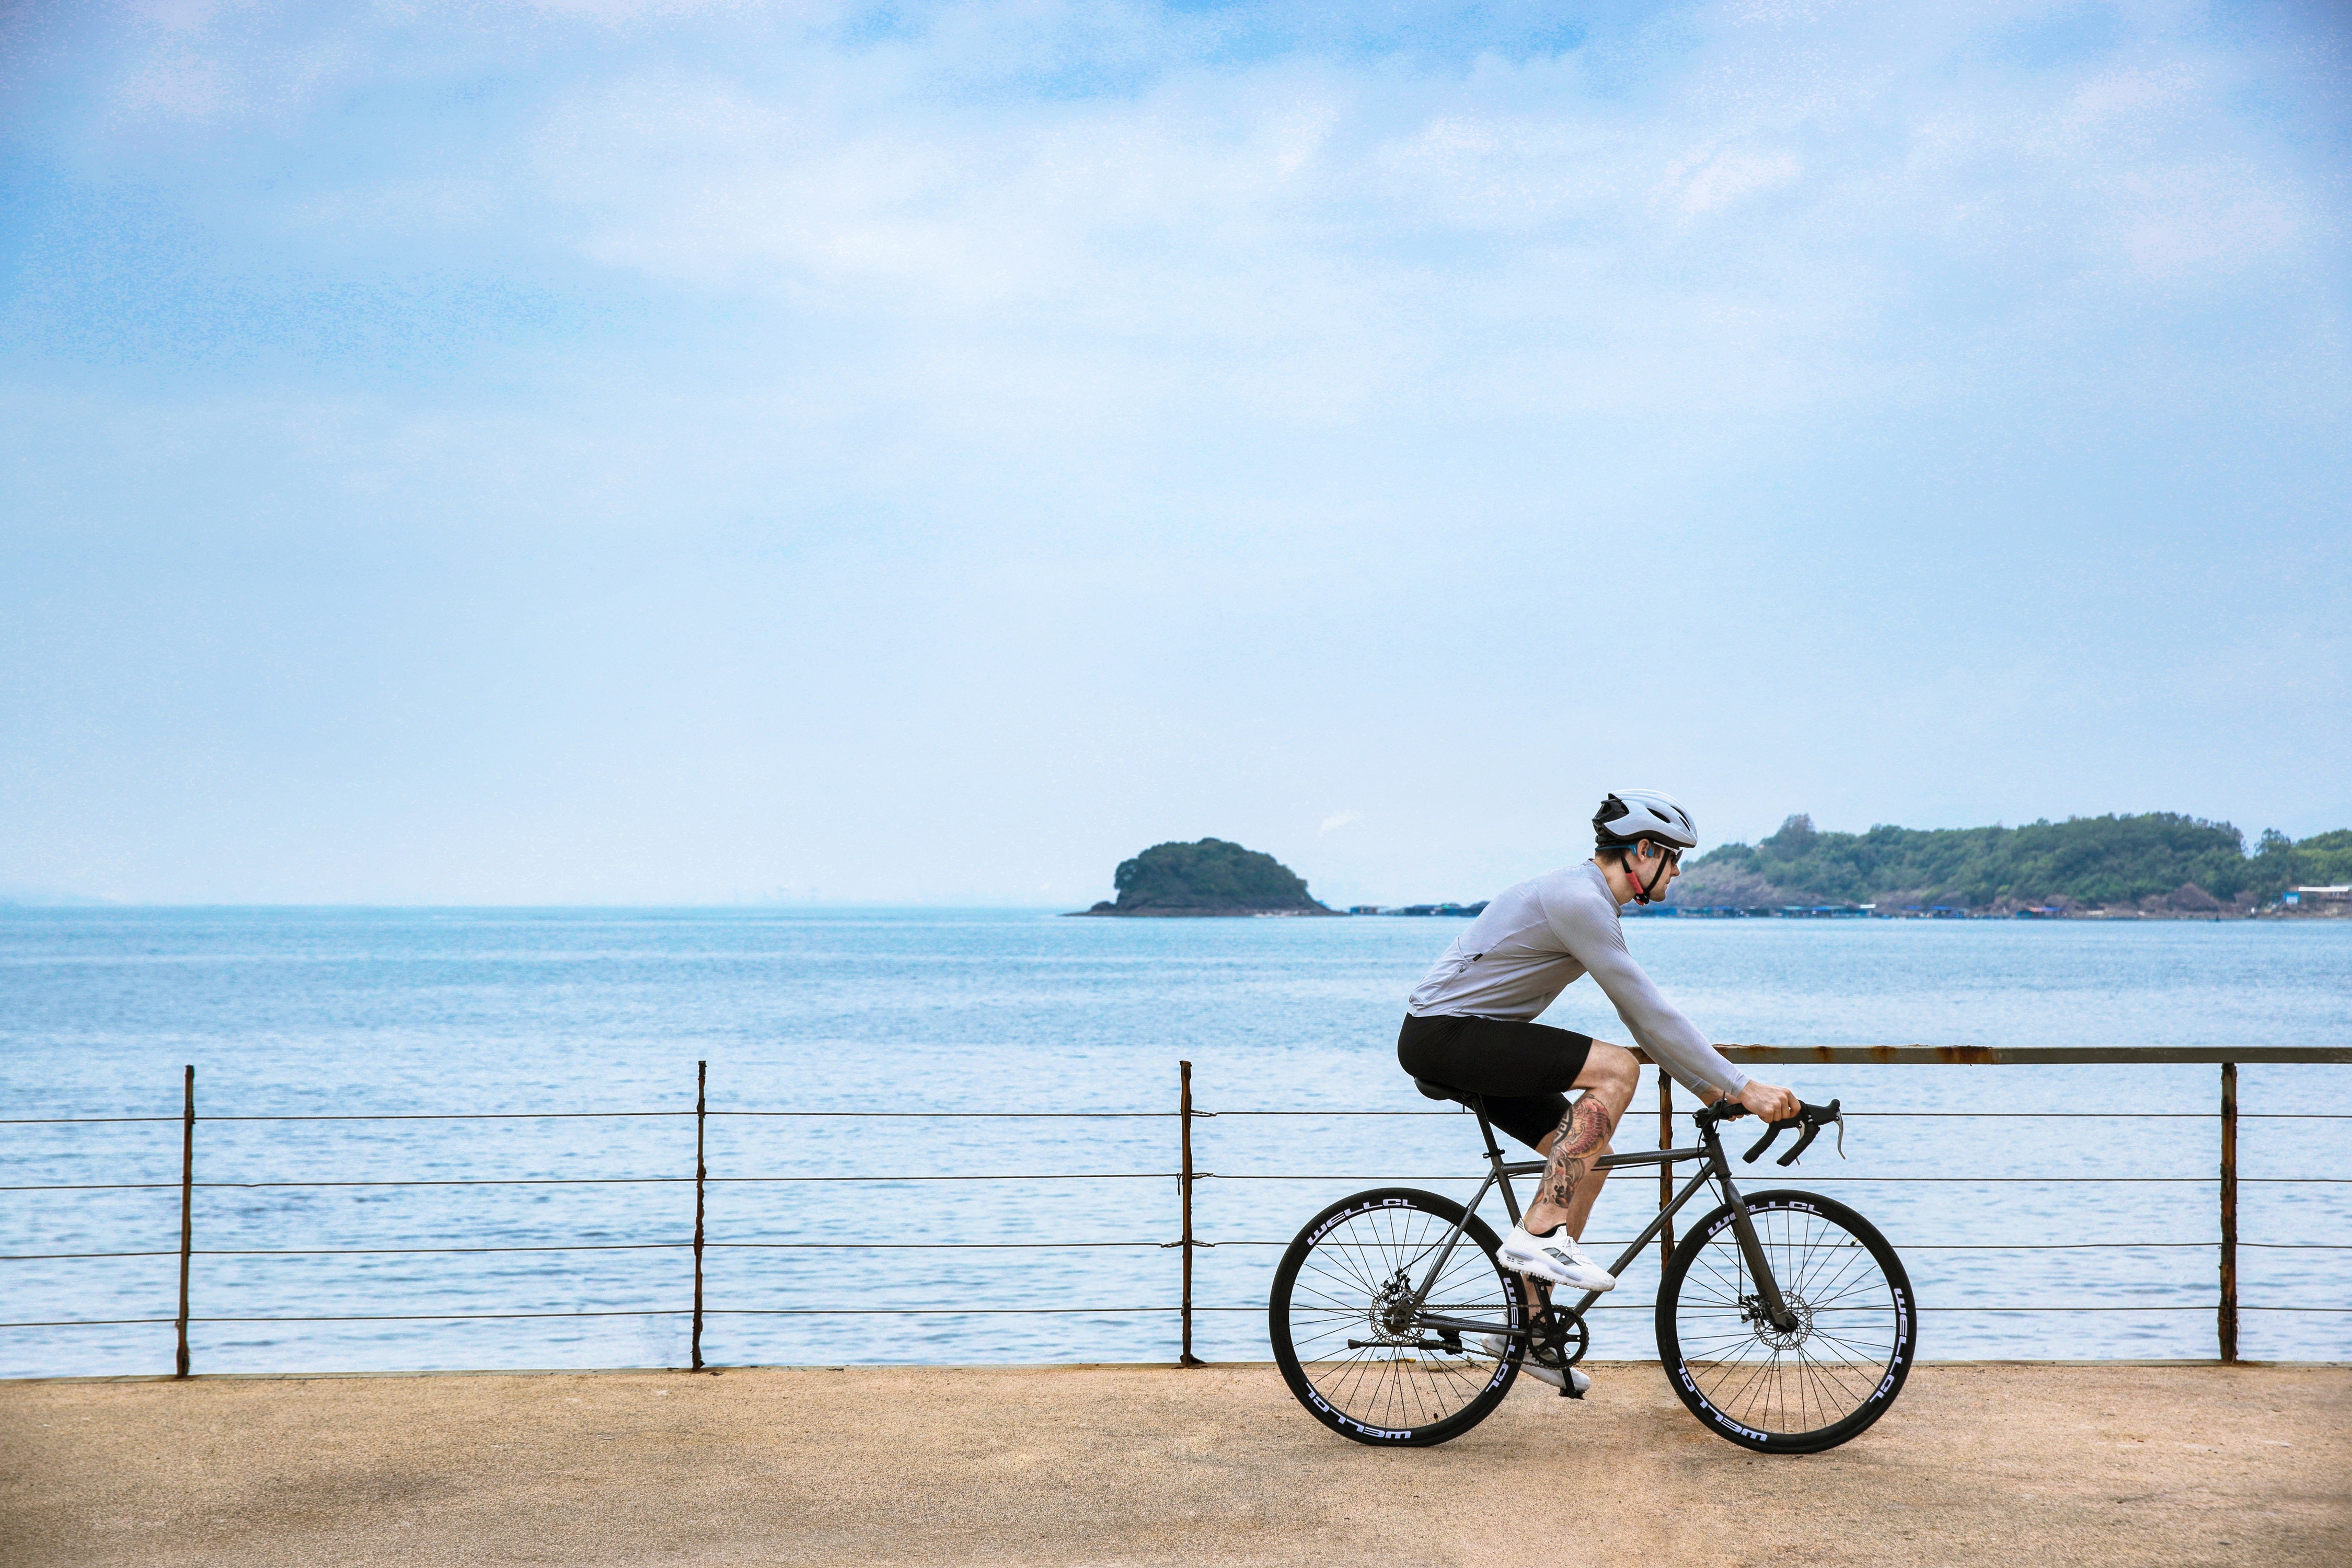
1519	1069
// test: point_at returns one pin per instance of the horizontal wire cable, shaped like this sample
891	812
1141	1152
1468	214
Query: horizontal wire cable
1035	1245
1266	1177
952	1312
88	1323
987	1115
2243	1181
1907	1246
940	1311
1058	1176
613	1181
608	1246
566	1115
361	1116
1858	1115
2109	1115
2194	1306
418	1182
1119	1115
2206	1307
645	1312
1651	1307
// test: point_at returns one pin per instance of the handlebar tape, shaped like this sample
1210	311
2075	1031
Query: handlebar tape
1811	1119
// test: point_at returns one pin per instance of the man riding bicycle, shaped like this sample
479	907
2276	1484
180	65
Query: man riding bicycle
1470	1027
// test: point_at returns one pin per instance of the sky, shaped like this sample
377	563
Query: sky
621	452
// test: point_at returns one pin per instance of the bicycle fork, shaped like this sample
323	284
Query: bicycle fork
1774	1306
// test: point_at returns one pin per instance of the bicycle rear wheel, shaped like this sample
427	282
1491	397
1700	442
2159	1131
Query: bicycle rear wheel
1810	1387
1349	1276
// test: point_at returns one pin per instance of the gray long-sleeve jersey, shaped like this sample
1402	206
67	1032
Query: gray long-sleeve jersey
1534	941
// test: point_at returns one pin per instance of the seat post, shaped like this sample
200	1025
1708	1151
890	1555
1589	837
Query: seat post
1495	1156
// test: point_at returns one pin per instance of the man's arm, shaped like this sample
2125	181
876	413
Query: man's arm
1671	1040
1588	927
1675	1042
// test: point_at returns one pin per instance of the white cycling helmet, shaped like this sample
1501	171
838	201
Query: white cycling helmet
1625	819
1644	813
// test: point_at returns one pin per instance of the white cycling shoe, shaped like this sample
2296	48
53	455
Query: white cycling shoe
1555	1258
1578	1383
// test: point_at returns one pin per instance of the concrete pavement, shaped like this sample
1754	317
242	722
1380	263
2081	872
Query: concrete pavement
2001	1463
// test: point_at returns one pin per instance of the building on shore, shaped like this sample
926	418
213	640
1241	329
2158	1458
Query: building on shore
2304	897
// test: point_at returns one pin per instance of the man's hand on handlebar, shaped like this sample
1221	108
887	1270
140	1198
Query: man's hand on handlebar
1766	1101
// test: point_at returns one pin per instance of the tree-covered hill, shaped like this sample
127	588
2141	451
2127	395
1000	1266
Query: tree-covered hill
1212	877
2155	860
2323	859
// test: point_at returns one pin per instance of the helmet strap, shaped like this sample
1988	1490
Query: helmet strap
1643	895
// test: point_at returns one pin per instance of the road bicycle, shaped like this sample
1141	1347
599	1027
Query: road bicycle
1785	1321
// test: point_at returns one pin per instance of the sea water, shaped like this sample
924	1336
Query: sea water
418	1015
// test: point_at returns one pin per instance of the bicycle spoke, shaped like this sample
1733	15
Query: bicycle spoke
1840	1340
1355	1281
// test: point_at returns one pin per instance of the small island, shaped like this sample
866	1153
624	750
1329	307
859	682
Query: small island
1212	877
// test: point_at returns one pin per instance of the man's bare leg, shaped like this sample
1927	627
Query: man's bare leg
1569	1184
1569	1181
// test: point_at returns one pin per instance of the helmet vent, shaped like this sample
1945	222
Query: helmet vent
1649	813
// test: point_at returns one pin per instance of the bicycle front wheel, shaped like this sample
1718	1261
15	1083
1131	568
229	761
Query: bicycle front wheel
1352	1346
1821	1381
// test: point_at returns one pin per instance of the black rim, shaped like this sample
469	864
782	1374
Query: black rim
1359	1265
1852	1335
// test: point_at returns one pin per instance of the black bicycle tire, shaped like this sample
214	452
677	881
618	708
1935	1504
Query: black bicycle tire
1881	1399
1294	1374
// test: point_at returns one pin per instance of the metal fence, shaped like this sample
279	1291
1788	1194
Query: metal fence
2227	1307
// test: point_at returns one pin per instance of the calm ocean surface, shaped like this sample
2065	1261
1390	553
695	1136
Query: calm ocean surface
400	1012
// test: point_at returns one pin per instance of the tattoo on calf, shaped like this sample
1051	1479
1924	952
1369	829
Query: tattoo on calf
1582	1130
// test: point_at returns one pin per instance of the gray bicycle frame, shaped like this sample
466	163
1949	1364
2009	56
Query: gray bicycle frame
1717	1168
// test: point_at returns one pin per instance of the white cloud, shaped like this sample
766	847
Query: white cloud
2139	105
1309	242
184	86
1045	414
2191	219
1709	180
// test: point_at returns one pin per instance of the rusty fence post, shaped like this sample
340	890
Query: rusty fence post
701	1082
1184	1125
1665	1173
187	1217
2226	1318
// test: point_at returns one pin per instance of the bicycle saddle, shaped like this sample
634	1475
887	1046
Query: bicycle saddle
1439	1091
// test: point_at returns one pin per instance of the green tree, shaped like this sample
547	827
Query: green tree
1212	874
2096	861
2323	859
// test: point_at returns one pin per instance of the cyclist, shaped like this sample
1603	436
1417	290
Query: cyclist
1470	1026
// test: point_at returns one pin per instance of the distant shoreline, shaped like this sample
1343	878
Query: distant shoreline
1314	913
2271	912
2274	914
